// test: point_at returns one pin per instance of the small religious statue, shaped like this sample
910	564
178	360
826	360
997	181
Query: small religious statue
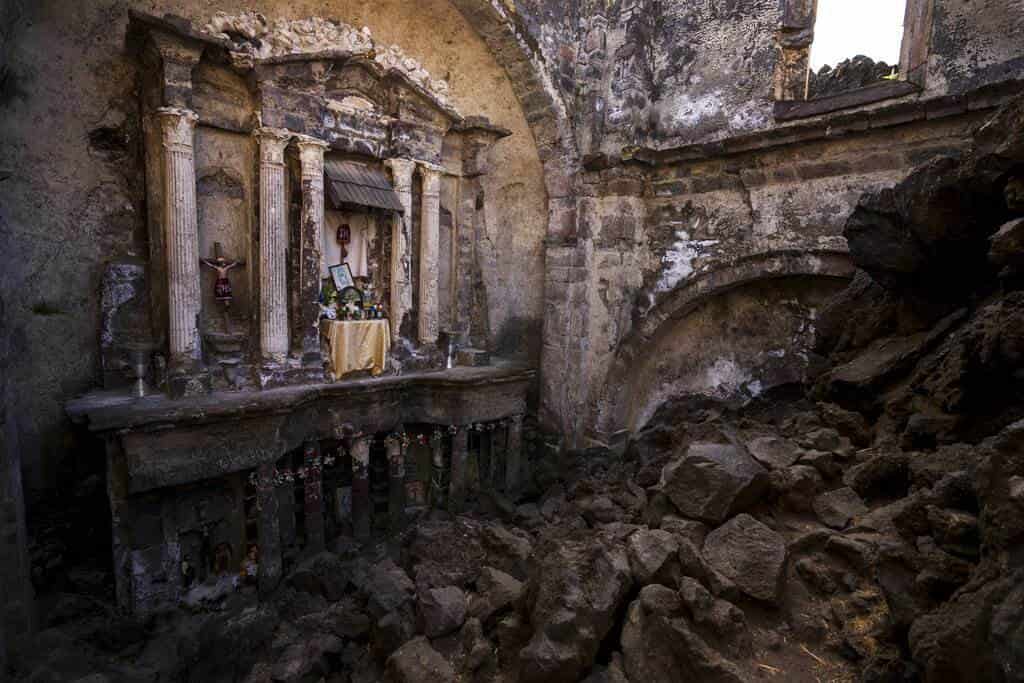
222	287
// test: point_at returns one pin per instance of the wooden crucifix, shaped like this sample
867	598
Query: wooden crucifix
222	287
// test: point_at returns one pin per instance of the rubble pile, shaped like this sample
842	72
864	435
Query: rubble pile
869	529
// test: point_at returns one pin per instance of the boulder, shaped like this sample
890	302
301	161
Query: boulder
306	660
497	591
883	477
750	555
724	620
386	586
1007	245
576	589
418	662
660	645
797	486
685	528
323	574
713	481
442	610
652	556
837	508
773	452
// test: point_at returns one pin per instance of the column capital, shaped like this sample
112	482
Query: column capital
402	170
177	125
431	177
272	143
310	142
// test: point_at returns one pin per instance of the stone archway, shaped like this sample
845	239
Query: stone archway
609	415
545	110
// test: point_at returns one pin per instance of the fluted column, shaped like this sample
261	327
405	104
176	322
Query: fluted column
182	233
311	157
273	244
401	234
430	244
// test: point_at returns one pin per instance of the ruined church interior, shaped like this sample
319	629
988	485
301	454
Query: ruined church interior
615	341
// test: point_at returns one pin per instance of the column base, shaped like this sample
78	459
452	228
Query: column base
288	372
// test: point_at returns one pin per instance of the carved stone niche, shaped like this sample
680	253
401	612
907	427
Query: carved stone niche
211	182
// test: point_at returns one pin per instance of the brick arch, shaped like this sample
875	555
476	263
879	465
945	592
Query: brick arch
543	106
606	413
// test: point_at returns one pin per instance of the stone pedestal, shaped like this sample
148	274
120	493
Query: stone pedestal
273	245
361	488
311	156
460	456
401	236
270	563
181	221
396	484
313	490
430	241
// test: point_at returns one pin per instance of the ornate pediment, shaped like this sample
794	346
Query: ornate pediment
255	39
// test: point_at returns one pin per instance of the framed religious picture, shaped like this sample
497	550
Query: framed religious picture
342	276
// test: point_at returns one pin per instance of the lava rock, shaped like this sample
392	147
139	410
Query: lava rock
576	590
323	574
442	610
659	644
713	481
773	452
885	476
750	555
497	591
418	662
652	556
837	508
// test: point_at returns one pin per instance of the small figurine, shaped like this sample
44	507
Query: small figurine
222	287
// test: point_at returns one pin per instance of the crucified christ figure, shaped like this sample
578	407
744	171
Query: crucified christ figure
222	288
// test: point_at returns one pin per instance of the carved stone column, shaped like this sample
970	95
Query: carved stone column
177	128
430	243
273	244
311	156
401	235
361	487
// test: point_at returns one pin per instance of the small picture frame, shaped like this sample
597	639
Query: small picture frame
342	276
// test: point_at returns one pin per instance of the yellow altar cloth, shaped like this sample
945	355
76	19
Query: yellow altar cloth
357	345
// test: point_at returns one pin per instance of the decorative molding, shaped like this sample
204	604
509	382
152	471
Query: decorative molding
253	38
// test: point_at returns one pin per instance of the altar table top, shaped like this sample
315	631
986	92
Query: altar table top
357	345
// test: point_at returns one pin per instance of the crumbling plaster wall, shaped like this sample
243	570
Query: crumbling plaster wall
69	120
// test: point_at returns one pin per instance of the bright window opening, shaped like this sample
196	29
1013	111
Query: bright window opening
856	43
